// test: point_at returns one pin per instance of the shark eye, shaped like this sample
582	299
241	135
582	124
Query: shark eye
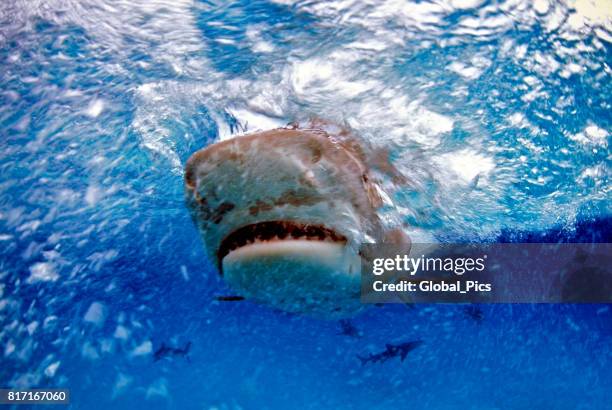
365	178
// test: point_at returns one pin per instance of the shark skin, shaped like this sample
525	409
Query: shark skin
283	212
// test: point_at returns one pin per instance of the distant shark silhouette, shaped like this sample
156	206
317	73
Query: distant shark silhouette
168	351
229	298
390	352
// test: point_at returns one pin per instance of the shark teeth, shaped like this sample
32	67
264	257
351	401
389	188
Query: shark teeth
276	231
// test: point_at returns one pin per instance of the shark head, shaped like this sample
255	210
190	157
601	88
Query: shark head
282	213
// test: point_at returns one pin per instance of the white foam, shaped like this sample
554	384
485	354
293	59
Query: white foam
263	47
466	4
311	73
93	194
432	122
370	44
42	272
541	6
590	12
95	108
467	164
227	41
464	71
592	135
596	134
517	119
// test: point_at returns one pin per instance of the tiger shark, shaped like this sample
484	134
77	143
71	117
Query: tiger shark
282	214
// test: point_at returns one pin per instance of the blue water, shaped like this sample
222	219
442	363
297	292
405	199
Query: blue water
497	112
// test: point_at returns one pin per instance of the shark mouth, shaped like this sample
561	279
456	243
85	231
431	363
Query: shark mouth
276	231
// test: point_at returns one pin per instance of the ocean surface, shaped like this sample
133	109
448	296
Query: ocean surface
499	114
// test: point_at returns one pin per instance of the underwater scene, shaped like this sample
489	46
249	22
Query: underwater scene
155	152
